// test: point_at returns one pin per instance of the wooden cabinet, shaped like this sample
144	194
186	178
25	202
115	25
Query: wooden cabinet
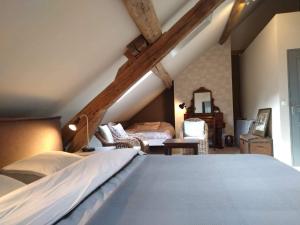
215	125
250	144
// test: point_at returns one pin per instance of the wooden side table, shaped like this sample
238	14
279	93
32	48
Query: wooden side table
181	143
250	144
97	149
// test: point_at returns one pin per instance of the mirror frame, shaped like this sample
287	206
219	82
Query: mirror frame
191	109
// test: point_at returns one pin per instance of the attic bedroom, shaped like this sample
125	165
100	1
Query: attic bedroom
150	112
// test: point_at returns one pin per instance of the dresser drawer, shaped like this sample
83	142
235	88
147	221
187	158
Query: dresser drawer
261	148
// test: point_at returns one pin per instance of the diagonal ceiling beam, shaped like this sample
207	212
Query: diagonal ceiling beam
232	22
143	14
133	70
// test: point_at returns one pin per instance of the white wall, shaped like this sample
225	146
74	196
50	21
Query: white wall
264	79
212	70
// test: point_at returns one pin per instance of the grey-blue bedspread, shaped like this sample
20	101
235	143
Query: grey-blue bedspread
204	190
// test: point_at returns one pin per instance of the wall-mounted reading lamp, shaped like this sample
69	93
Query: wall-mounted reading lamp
73	127
182	105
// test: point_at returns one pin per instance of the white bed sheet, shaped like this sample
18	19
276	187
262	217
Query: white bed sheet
50	198
8	184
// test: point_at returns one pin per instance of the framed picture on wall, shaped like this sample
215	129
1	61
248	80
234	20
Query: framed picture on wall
261	122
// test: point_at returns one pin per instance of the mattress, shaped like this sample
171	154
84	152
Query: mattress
208	190
158	189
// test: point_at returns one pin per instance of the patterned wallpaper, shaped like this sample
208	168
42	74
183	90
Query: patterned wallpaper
212	71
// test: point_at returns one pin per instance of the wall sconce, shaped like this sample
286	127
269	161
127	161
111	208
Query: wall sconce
182	105
73	127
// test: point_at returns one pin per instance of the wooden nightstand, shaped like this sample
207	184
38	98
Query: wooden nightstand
250	144
97	149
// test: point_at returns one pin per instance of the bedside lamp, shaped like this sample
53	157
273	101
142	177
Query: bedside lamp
73	127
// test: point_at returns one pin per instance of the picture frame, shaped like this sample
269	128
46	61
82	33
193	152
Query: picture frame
262	122
251	127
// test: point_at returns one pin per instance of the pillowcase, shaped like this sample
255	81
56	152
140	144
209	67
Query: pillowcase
43	164
106	133
193	129
118	131
9	184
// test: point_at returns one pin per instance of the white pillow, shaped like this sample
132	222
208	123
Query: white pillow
119	131
194	129
106	133
8	184
44	163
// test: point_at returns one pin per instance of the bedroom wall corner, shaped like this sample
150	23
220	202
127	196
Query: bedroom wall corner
213	71
264	78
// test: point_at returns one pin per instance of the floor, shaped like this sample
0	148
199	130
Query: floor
225	150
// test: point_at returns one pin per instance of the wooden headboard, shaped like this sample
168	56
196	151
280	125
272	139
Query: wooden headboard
23	137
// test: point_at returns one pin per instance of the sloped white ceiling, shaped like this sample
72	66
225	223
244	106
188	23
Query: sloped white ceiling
258	16
49	50
57	55
135	100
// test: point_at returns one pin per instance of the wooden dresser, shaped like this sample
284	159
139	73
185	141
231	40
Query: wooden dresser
215	123
250	144
203	107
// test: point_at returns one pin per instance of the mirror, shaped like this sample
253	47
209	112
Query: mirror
202	102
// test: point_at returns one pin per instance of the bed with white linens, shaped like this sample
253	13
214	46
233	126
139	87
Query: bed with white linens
154	132
122	187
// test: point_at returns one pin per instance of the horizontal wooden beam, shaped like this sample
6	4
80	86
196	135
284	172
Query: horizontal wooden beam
143	14
133	70
232	22
161	72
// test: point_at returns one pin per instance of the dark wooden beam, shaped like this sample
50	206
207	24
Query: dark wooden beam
237	52
133	70
232	22
135	47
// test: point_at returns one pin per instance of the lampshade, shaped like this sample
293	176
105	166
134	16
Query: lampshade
72	127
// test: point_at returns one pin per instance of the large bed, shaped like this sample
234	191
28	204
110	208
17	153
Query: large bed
122	187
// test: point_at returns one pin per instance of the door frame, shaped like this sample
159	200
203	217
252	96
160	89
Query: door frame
289	51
